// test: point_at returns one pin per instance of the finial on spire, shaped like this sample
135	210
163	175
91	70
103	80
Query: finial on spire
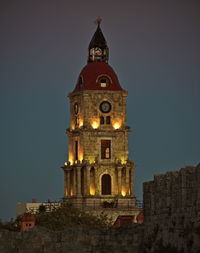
98	21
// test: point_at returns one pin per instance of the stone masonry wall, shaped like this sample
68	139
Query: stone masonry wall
74	240
172	209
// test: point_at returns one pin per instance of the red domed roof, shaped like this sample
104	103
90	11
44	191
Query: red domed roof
97	76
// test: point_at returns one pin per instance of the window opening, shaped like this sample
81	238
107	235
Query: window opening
102	120
108	120
103	82
76	150
105	149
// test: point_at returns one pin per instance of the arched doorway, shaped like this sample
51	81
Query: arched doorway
106	184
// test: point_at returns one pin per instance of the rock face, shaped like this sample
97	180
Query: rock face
172	209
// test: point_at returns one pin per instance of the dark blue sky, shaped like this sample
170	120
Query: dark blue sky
154	49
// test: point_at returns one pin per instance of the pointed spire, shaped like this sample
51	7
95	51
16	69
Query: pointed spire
98	49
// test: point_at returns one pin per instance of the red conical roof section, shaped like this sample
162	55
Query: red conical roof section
92	73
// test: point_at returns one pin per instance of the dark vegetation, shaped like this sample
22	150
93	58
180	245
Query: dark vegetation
61	218
67	215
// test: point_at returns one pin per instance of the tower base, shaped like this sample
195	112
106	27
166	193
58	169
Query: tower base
112	207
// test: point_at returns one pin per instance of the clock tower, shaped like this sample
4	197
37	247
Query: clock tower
98	174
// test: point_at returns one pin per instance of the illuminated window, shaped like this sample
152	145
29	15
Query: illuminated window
108	120
101	120
107	153
105	149
104	81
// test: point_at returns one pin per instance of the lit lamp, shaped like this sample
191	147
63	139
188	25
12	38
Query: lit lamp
92	190
123	192
95	124
80	123
116	125
81	156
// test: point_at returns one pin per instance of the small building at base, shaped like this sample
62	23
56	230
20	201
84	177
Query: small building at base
27	222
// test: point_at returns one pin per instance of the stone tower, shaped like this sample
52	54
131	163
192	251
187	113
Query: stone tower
98	173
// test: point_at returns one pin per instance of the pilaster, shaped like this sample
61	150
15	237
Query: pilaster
119	180
78	180
87	180
127	181
74	181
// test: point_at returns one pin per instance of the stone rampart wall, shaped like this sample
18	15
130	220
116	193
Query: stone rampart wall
74	240
172	209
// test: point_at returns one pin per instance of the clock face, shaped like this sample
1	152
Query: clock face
76	108
105	107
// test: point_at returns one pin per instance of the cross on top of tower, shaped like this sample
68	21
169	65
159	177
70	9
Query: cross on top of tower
98	21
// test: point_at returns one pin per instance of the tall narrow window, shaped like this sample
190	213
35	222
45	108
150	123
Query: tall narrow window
101	120
108	120
76	150
105	149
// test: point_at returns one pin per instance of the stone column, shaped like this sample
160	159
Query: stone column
131	181
84	181
74	182
96	182
79	181
87	180
127	181
68	183
119	181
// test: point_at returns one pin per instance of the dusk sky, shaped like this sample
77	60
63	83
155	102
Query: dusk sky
155	51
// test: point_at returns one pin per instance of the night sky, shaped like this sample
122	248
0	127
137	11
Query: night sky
155	51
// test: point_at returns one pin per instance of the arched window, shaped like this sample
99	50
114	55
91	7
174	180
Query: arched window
106	184
104	81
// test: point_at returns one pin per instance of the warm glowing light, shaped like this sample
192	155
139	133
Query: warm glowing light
71	192
92	189
65	163
91	159
80	123
95	124
70	158
117	124
123	192
81	156
123	161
